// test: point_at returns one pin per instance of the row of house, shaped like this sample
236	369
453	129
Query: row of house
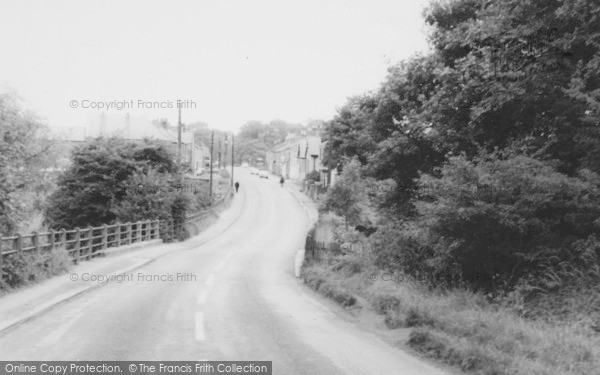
297	156
136	128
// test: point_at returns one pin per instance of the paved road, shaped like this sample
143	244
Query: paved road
239	301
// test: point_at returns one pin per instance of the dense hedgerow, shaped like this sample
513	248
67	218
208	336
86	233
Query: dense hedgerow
25	268
493	223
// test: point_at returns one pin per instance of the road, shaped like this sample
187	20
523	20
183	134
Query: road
237	299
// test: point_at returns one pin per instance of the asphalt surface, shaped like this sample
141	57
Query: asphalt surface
232	298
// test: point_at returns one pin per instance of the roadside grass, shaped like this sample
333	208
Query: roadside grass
22	269
458	327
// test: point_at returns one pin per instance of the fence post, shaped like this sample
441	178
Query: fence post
88	252
104	238
19	241
147	227
138	227
156	229
35	240
118	234
77	241
63	237
129	233
52	239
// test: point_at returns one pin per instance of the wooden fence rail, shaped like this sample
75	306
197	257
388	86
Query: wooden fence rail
91	242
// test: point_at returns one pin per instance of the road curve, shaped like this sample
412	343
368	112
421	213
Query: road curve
237	299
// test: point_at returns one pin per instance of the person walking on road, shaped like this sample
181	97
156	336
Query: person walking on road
237	186
281	181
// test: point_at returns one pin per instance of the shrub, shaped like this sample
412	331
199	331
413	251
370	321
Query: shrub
28	267
150	196
113	180
313	176
492	222
348	196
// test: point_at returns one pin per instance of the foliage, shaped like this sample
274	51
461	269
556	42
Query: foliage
512	87
313	176
348	197
150	196
496	220
28	267
24	152
256	138
115	180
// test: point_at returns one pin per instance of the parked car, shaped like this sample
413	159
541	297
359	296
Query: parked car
245	165
253	171
263	174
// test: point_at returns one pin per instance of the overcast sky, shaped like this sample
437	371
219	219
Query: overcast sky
238	60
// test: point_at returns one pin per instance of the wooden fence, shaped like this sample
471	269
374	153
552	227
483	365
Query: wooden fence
91	242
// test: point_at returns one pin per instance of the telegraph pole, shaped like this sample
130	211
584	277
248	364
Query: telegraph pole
225	154
179	138
330	149
219	153
232	160
212	140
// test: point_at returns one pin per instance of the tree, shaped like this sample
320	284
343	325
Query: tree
348	196
103	184
256	138
24	152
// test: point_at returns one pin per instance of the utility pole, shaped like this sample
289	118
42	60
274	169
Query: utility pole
179	138
219	153
232	160
330	150
225	154
212	140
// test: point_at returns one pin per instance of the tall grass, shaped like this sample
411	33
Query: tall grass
459	327
26	268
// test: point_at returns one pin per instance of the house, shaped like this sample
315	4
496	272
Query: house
135	128
295	157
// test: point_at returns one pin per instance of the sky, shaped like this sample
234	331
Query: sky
228	61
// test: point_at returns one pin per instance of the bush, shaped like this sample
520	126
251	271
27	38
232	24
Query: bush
112	180
28	267
348	196
492	222
312	177
150	196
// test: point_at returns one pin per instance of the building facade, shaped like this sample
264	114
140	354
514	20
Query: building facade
295	157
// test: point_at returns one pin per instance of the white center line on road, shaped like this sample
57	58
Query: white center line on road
219	266
200	326
202	297
210	280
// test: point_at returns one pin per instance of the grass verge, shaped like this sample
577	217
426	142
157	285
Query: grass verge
27	268
458	327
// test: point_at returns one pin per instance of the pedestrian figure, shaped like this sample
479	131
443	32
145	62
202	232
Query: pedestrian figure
237	186
281	181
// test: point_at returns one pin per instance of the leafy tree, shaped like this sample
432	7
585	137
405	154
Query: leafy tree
102	184
256	138
349	134
508	80
348	196
24	152
512	86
